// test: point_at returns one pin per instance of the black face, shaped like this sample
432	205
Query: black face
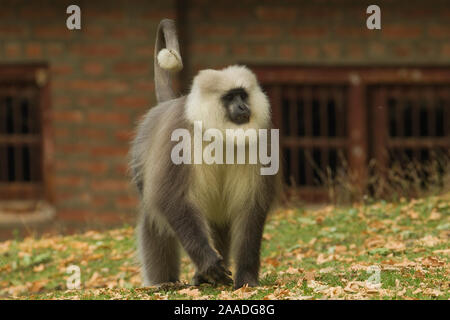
235	102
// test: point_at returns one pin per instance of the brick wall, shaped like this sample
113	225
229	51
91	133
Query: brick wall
102	81
102	76
316	32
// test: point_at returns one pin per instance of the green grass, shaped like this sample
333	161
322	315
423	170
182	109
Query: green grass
373	251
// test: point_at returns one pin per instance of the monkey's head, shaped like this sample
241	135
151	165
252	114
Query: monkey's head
230	98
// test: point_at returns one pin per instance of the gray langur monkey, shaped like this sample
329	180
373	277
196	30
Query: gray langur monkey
211	210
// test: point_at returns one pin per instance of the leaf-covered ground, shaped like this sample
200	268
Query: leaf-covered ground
372	251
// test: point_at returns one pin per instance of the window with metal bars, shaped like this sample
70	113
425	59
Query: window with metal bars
23	131
314	133
415	121
343	117
412	131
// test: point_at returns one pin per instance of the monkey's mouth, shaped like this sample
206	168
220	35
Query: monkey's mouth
241	119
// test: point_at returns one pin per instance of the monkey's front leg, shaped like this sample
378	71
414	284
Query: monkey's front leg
249	235
191	231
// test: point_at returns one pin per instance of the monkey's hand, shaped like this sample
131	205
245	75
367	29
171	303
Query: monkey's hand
214	273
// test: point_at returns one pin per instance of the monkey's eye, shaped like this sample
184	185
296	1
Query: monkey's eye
243	95
228	97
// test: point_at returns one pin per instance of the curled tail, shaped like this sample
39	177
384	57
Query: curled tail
167	59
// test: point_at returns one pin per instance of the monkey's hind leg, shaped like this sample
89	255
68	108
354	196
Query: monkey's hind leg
159	254
221	237
247	245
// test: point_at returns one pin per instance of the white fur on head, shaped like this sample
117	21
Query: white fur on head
204	101
170	60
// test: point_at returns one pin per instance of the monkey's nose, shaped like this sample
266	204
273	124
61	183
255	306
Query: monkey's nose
243	114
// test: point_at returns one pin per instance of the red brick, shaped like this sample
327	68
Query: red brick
99	201
356	51
12	30
40	13
113	14
124	135
67	116
98	50
93	68
104	86
33	50
112	185
110	217
61	165
402	50
240	50
132	68
63	198
52	32
147	51
216	31
446	50
68	181
158	14
93	167
144	86
262	50
92	101
332	50
93	134
122	170
228	15
377	48
13	50
109	151
54	49
128	32
262	31
401	32
276	13
127	202
61	132
109	118
93	32
74	215
69	149
309	32
208	49
61	69
59	101
287	51
439	31
132	102
310	51
356	32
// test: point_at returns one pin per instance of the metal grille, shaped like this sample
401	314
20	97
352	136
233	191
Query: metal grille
412	122
345	116
313	130
20	141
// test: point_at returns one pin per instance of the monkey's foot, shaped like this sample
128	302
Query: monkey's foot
215	274
242	280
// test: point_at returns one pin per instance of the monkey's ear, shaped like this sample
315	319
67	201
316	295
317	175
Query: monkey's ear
208	80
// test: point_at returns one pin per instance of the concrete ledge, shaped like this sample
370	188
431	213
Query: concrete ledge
25	213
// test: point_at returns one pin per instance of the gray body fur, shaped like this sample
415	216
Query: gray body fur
178	208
